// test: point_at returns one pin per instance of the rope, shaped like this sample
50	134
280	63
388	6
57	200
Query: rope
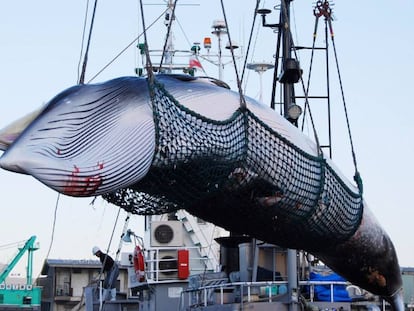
239	86
250	39
53	230
148	59
112	235
53	226
310	72
357	176
83	38
85	60
107	249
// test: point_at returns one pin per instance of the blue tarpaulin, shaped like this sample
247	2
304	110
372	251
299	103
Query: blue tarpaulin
323	292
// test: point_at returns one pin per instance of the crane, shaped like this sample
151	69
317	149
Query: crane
30	247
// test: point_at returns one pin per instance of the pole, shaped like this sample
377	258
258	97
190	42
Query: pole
287	102
293	279
261	86
220	61
286	54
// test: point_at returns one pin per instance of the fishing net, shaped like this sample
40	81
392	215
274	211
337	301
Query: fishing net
230	171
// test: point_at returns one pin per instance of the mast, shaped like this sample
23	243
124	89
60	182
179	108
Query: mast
169	50
291	70
290	74
219	29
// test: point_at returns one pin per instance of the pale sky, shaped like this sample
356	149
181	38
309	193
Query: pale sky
40	47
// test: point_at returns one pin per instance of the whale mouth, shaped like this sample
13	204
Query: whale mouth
70	181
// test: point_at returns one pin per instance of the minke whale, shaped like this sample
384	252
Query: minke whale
184	142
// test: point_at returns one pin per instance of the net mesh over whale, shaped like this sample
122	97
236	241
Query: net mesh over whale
238	168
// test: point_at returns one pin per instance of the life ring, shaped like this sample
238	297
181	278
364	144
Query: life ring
139	264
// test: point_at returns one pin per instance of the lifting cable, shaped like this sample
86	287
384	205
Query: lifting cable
239	86
150	71
357	176
83	39
53	226
125	48
52	235
85	58
112	234
81	76
322	9
307	107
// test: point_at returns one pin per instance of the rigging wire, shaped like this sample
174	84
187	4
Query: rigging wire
323	10
11	245
357	177
250	39
85	59
168	34
108	247
126	48
113	231
83	39
256	36
182	30
150	72
239	86
52	237
188	41
82	76
307	107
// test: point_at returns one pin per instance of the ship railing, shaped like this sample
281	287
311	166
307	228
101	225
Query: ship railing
235	292
242	292
331	285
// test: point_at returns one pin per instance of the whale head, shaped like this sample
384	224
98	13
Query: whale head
83	141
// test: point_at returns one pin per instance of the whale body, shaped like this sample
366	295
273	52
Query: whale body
247	170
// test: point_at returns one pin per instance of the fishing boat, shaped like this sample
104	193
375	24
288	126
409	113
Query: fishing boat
184	262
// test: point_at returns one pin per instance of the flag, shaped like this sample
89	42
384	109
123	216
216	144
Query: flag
194	62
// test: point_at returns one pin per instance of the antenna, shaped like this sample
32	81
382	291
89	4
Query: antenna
260	68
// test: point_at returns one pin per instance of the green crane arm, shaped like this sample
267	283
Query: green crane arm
28	246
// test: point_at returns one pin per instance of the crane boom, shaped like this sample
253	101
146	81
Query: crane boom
28	246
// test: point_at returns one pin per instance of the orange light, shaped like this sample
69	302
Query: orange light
207	42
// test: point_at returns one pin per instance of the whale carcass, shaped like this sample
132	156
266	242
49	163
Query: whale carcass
183	142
